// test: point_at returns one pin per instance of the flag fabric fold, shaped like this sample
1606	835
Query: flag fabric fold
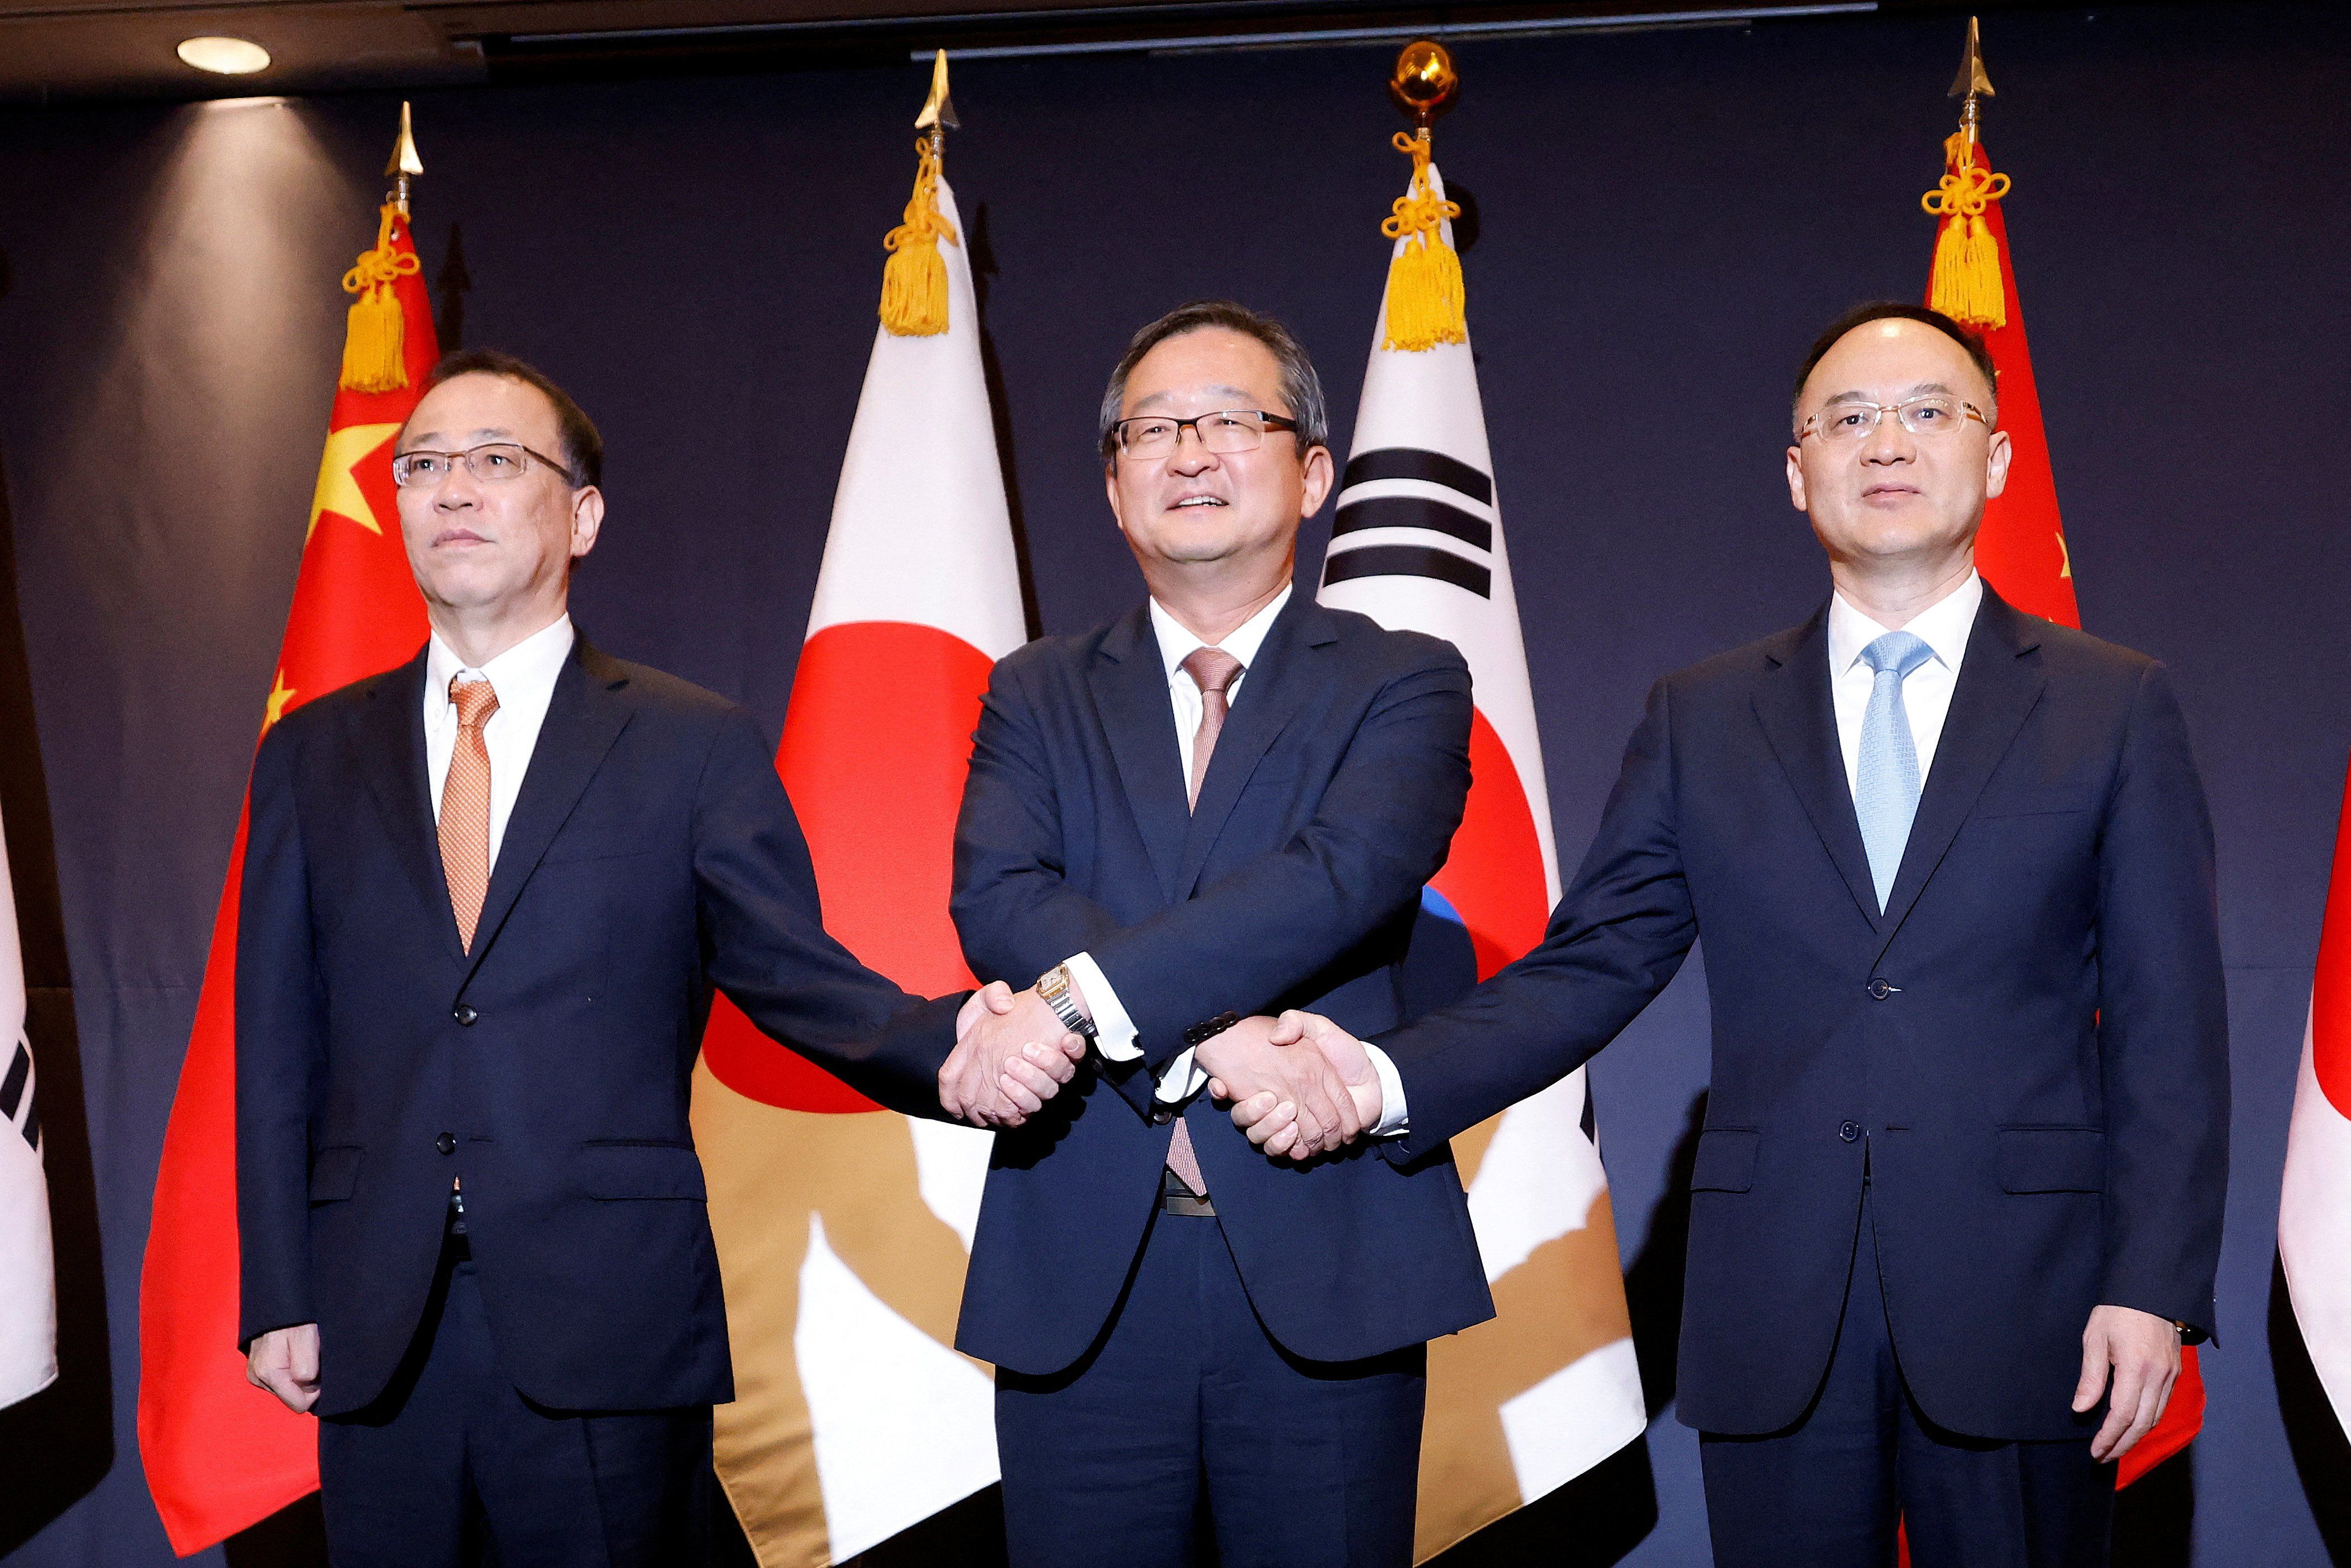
28	1295
220	1454
844	1230
2315	1204
1521	1404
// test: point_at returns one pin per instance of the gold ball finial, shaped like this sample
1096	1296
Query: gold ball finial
1423	81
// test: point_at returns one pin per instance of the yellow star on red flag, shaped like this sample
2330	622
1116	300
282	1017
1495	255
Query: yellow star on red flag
338	488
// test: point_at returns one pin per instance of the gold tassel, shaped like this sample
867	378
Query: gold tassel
375	343
1967	284
1426	294
915	278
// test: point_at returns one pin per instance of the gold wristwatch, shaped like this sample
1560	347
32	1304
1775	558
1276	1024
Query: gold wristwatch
1053	988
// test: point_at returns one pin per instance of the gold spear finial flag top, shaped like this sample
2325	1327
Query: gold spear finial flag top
1968	284
375	357
915	278
1426	303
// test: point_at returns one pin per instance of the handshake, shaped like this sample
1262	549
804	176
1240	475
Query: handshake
1298	1085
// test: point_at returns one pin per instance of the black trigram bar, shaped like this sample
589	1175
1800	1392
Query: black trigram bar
1409	560
17	1089
1414	512
1412	462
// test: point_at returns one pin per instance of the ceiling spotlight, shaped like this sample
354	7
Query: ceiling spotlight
226	56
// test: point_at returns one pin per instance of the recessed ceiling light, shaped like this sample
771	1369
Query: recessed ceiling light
227	57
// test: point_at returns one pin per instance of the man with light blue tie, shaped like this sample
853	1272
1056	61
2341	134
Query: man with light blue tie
1958	1196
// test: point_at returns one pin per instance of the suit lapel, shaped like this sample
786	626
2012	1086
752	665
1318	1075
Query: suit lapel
583	718
1998	688
1793	704
1129	688
387	735
1277	683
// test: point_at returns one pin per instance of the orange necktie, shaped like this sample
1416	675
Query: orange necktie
466	807
1213	671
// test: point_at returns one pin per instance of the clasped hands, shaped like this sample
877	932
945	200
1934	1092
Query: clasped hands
1299	1085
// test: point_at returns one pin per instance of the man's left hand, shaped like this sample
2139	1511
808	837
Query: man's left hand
2143	1350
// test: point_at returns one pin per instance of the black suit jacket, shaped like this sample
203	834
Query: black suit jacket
650	855
1333	790
2026	1051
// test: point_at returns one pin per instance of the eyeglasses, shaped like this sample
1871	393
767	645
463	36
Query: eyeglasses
1929	415
491	463
1226	430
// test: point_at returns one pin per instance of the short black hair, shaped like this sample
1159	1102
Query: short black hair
583	449
1894	309
1301	389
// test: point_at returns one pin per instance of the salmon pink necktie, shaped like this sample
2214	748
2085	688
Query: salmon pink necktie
466	807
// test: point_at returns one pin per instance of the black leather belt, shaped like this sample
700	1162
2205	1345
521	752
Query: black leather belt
1176	1198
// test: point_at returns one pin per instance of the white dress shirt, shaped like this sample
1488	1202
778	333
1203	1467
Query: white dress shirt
524	679
1115	1029
1943	626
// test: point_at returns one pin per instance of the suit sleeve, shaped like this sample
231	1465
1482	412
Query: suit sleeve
1617	937
1013	906
1262	935
765	941
280	1052
2163	1023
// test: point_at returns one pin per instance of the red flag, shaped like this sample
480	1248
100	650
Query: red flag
2022	552
220	1454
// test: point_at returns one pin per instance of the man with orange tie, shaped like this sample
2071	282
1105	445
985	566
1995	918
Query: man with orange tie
487	898
1224	802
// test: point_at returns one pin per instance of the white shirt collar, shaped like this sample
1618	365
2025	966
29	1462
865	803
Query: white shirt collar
1176	643
531	665
1943	626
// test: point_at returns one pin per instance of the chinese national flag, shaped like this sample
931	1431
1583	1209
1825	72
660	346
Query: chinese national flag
220	1454
2021	553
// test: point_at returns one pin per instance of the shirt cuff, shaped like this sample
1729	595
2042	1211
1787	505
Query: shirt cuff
1114	1030
1182	1080
1394	1121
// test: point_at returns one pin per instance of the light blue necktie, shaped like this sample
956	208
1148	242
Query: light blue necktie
1885	790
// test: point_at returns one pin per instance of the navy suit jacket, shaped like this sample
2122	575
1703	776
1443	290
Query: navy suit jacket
2027	1052
650	855
1333	793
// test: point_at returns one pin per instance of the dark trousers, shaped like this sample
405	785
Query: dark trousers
1827	1492
453	1467
1186	1404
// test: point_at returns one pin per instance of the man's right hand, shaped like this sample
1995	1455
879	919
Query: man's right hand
286	1363
1011	1055
1272	1121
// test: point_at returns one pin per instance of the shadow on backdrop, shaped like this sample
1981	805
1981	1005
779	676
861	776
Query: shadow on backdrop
2322	1455
59	1442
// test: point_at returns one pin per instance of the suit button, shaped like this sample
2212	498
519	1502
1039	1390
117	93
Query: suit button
1161	1116
1848	1131
464	1014
1879	990
446	1143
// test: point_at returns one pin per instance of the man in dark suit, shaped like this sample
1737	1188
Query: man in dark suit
1225	802
486	897
1961	1174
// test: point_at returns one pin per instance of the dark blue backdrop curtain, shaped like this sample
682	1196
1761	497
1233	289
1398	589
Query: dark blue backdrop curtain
1658	223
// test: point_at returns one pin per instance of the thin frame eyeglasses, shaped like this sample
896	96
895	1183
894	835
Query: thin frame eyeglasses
493	462
1149	437
1930	415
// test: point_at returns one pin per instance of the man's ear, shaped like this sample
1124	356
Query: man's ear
1319	473
1796	478
587	519
1996	456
